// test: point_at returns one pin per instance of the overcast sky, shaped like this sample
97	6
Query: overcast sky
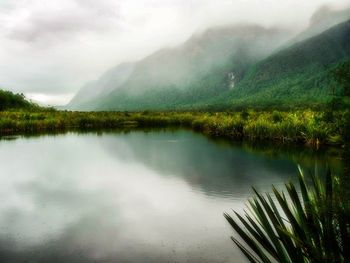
50	48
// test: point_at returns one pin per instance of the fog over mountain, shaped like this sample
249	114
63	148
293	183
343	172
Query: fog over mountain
50	49
220	52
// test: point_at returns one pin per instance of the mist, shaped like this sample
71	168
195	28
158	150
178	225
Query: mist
49	49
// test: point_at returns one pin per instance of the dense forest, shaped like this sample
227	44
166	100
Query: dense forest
10	100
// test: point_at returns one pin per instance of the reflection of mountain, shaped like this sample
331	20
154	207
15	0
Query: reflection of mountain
134	197
214	168
217	168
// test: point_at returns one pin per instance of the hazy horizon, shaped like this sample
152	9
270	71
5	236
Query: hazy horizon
50	49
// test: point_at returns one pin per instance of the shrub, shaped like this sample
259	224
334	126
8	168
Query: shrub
313	226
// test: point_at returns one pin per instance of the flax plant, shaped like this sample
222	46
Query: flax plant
311	224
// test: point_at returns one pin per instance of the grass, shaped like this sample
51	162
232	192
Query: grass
309	127
313	226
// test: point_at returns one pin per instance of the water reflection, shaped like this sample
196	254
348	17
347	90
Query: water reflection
135	197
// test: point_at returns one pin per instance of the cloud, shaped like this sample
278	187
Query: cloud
49	100
32	21
54	47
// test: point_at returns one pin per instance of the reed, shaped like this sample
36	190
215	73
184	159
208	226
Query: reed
298	126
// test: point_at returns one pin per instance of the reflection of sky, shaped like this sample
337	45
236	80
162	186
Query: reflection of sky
130	197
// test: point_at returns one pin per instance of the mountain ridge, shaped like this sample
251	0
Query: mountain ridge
202	54
229	66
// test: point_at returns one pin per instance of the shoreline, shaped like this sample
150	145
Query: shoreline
304	127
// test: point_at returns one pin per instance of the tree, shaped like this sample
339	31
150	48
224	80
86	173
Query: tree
342	75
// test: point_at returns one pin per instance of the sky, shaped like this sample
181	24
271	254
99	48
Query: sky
50	48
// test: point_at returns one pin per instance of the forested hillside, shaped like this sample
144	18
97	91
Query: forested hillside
227	68
206	65
299	74
9	100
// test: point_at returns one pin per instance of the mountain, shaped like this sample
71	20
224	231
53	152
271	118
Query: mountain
230	67
323	19
98	89
9	100
300	74
204	66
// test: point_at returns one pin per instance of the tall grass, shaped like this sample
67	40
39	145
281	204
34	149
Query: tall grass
298	126
310	226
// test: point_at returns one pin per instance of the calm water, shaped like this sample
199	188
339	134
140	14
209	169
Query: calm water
130	197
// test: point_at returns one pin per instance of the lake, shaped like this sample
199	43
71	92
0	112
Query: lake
155	196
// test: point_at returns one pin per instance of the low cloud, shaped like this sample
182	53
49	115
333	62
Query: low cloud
50	100
54	47
32	21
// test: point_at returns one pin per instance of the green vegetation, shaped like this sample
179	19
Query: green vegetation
178	77
298	126
298	95
9	100
313	226
300	74
342	76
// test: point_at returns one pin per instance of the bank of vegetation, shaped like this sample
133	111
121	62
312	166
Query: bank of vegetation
312	127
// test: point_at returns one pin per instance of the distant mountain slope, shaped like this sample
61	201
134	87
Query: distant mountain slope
300	73
323	19
203	67
96	90
230	67
9	100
